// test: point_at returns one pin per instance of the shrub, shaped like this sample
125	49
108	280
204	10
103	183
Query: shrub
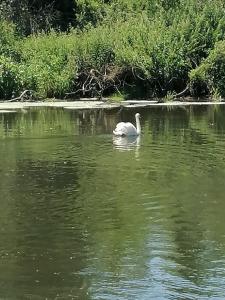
10	83
211	72
157	46
47	64
8	38
137	46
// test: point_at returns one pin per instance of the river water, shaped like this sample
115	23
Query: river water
86	216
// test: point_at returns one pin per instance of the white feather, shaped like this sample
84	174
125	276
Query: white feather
128	129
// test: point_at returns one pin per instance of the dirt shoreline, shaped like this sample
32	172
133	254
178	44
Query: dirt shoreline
90	104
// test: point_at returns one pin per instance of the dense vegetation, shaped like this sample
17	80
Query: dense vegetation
136	48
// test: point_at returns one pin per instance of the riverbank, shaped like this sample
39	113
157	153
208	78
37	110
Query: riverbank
7	107
166	49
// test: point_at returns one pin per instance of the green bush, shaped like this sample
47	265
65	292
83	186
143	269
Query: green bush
8	38
9	78
211	73
157	46
47	64
10	83
139	47
43	63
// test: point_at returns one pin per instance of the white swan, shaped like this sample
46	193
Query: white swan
128	129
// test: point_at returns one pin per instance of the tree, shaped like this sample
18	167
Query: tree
33	16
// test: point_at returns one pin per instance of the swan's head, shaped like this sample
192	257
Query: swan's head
137	115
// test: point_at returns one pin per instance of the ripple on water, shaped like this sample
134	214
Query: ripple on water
86	215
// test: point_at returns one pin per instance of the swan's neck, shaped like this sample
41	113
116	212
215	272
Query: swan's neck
138	125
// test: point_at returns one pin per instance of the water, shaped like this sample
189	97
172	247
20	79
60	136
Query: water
86	216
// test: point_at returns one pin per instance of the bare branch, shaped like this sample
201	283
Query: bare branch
27	95
183	93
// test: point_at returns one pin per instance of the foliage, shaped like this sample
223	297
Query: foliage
140	48
117	97
47	64
9	80
44	63
33	16
169	97
211	72
89	12
154	48
8	37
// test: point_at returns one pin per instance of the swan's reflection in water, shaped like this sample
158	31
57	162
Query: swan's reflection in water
127	143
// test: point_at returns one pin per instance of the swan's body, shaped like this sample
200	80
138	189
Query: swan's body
128	129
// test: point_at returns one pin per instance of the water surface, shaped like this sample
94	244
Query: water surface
87	216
